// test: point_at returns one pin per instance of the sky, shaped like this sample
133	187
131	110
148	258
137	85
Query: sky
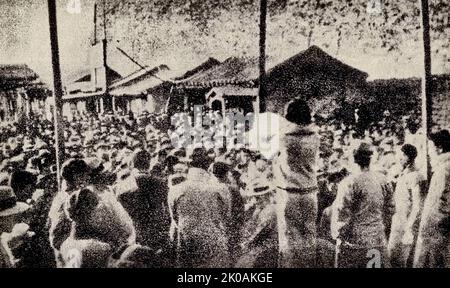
24	38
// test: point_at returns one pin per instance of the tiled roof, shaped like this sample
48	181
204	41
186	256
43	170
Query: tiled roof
20	72
244	71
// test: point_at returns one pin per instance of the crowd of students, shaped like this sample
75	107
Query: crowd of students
129	198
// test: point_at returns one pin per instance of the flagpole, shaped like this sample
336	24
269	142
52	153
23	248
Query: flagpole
427	101
58	91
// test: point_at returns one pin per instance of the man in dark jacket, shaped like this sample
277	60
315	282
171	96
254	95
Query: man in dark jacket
144	197
361	215
200	208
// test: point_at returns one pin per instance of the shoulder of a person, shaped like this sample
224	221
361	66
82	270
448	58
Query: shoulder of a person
126	185
147	181
199	175
445	167
154	180
378	175
348	181
295	129
126	196
108	198
178	195
176	191
222	187
415	175
71	245
443	162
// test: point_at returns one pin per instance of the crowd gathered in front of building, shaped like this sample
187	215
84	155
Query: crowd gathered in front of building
329	194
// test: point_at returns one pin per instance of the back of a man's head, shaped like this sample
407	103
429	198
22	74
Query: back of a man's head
441	140
412	126
410	152
141	160
298	112
363	155
18	182
200	159
220	170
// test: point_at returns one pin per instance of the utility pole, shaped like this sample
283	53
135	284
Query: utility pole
104	33
58	91
262	93
95	24
260	106
427	101
106	98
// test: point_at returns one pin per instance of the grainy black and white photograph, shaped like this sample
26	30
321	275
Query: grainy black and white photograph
224	134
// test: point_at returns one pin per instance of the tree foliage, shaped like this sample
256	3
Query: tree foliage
153	28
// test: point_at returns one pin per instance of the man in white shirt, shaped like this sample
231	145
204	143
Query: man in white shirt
408	198
433	248
295	177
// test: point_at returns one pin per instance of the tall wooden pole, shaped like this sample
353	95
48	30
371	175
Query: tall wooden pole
106	96
95	23
104	26
260	106
58	91
262	56
427	101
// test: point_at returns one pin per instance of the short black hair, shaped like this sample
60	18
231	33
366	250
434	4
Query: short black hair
363	155
410	151
412	125
200	158
441	140
74	167
363	160
19	179
298	112
220	169
141	160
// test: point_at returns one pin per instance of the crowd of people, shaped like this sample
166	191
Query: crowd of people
129	198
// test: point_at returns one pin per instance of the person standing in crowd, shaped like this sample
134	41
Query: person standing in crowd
433	243
36	252
362	213
12	212
325	242
177	178
145	200
222	171
237	215
294	171
408	197
259	245
76	175
200	207
100	226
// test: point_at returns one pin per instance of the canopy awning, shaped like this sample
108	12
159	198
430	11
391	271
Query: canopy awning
232	91
82	95
136	89
141	81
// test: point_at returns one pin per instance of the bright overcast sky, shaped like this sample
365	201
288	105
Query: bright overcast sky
24	38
